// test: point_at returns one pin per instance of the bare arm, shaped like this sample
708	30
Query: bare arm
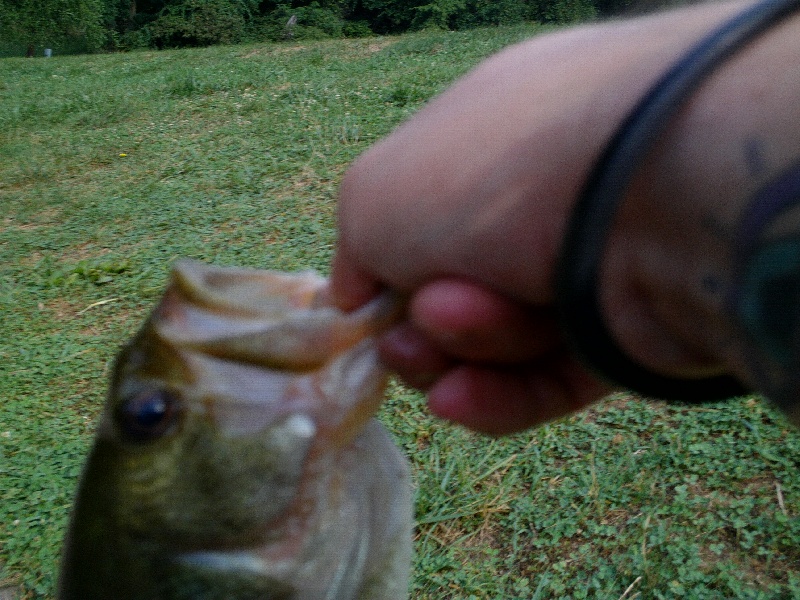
465	205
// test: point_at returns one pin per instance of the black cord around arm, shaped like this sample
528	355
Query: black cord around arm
578	271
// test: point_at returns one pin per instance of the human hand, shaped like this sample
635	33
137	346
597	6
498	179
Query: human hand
463	209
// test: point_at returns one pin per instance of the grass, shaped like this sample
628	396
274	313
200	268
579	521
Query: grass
113	165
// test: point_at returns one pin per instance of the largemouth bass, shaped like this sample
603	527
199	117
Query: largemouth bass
237	457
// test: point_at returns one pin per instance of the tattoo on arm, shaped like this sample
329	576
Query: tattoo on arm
765	297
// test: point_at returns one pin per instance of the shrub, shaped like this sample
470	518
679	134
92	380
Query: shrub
312	22
388	16
357	29
492	12
201	23
437	14
132	40
568	11
327	20
67	26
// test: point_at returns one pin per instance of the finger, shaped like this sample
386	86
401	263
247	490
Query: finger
473	323
412	357
350	287
499	402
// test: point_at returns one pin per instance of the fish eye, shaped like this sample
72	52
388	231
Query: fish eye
149	415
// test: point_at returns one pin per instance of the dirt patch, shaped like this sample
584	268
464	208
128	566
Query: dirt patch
27	226
612	403
44	218
273	50
83	251
752	569
9	588
252	53
62	309
91	331
378	46
49	215
10	592
31	260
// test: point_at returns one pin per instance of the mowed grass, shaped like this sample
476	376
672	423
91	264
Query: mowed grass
111	166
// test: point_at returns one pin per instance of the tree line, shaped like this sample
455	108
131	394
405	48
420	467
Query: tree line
98	25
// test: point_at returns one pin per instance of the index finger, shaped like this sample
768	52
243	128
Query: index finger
350	286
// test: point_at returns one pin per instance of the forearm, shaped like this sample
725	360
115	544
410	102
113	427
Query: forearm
503	154
697	279
474	194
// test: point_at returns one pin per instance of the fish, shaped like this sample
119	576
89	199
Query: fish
238	456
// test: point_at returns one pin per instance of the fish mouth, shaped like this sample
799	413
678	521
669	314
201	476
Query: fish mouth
221	575
224	562
226	313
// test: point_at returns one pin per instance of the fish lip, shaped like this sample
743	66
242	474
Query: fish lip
225	562
217	312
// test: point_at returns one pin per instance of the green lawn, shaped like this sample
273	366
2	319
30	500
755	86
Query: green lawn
113	165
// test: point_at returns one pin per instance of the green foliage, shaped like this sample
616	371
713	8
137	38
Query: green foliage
316	18
136	39
388	16
95	272
311	22
61	25
201	22
492	12
357	29
73	26
437	14
615	7
567	11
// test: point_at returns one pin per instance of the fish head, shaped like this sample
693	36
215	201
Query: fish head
221	410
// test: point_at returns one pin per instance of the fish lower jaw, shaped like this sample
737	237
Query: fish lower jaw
224	575
227	562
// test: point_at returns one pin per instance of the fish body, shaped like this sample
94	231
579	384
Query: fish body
237	457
